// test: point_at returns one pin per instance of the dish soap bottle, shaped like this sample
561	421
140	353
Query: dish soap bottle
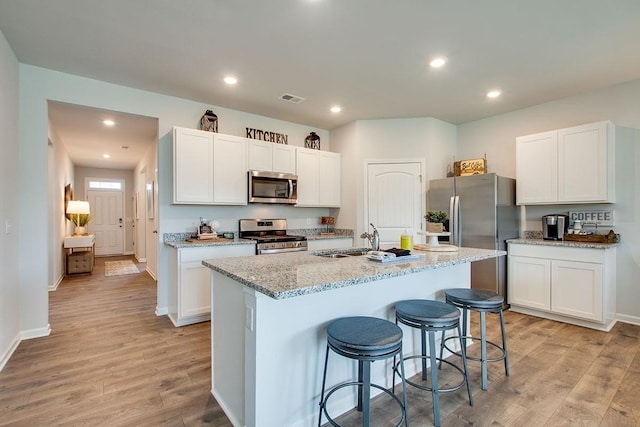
406	240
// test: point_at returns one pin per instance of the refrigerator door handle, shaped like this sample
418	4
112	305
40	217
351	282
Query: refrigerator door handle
452	220
456	238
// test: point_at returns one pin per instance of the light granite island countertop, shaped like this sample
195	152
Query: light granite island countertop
270	313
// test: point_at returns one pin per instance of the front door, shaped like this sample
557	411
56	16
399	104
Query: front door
107	221
394	200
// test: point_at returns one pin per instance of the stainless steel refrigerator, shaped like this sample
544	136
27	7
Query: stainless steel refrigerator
482	214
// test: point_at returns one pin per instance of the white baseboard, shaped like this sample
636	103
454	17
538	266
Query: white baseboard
162	311
140	259
153	276
128	253
55	285
225	408
7	354
625	318
36	333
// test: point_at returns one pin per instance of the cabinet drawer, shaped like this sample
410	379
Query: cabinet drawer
553	252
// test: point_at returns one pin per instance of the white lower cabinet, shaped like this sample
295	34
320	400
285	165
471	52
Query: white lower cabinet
190	281
575	285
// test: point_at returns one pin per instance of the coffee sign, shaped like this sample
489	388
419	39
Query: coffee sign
593	217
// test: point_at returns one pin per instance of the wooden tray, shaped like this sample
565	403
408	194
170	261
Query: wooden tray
611	237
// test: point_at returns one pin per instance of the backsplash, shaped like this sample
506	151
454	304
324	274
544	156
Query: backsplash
339	232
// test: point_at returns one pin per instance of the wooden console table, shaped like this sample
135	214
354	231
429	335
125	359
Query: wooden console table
79	254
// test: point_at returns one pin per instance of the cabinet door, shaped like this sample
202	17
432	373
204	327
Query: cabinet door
529	282
284	158
307	166
195	288
192	166
260	156
577	289
229	170
537	168
329	179
583	163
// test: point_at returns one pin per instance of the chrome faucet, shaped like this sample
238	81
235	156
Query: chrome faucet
374	238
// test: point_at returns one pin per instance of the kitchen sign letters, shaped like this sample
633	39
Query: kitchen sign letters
593	217
263	135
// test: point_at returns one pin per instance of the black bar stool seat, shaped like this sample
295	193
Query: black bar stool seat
365	339
483	302
432	317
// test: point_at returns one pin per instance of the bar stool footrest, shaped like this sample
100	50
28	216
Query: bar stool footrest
427	388
333	389
477	359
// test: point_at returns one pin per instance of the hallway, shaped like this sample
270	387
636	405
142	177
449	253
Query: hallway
110	361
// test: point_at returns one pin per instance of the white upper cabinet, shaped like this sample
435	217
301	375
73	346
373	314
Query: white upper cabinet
573	165
271	157
209	168
230	179
318	178
192	166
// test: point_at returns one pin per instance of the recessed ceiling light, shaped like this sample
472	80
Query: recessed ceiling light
108	122
438	62
106	156
230	80
336	109
494	94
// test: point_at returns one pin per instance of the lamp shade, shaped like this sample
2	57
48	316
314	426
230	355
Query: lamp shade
78	207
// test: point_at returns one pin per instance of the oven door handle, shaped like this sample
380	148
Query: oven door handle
279	251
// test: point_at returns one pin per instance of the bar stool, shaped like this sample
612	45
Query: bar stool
432	317
483	302
365	339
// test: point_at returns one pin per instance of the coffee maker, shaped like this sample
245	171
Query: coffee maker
554	226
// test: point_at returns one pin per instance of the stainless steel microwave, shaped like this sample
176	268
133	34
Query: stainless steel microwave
273	187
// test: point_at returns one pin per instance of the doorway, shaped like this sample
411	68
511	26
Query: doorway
107	219
395	199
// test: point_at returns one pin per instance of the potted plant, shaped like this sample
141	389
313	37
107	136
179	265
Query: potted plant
435	221
80	220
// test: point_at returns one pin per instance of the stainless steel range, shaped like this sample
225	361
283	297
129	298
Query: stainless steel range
271	236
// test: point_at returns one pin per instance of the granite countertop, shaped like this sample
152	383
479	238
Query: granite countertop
202	243
298	273
563	243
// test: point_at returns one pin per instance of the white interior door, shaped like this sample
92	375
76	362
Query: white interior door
107	222
394	200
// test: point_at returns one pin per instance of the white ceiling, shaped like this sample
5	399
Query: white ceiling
369	56
87	139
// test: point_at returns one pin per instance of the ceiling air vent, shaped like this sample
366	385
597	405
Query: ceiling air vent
292	98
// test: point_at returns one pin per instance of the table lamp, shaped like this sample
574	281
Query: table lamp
78	207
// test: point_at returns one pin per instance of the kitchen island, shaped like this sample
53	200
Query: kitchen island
269	315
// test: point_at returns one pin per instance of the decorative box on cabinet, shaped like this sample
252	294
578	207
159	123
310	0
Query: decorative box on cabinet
573	165
318	178
568	284
190	282
209	168
79	254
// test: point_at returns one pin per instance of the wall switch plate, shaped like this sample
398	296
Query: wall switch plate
7	227
248	318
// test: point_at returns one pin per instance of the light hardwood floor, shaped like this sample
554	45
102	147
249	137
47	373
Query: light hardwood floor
111	361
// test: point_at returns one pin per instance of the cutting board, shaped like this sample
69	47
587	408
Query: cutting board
440	248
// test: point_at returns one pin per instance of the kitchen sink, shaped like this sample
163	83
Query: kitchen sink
342	253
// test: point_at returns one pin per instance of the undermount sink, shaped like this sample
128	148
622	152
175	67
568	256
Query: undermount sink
342	253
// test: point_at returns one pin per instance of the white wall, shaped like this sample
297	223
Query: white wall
37	86
620	104
60	174
422	139
9	197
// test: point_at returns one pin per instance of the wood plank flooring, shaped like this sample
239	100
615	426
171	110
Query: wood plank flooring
111	361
